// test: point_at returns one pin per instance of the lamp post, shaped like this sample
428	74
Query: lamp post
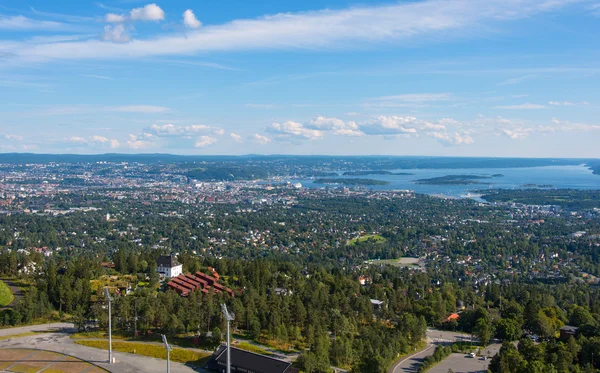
168	348
109	299
228	318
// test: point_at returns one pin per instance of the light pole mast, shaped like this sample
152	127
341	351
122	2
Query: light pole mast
109	298
168	348
228	318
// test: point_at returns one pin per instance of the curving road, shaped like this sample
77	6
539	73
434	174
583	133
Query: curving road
435	337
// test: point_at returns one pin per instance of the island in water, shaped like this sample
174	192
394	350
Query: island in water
454	180
537	186
354	182
379	172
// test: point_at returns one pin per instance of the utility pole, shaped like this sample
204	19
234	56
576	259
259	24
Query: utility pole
168	348
109	298
228	318
135	318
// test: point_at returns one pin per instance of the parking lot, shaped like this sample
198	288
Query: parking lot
462	363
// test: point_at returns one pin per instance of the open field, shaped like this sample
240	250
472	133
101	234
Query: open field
372	237
180	355
6	296
26	361
402	262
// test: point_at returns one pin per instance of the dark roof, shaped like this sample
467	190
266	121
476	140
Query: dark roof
568	328
251	361
167	261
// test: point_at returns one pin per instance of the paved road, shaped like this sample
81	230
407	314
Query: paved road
56	337
17	292
460	363
434	338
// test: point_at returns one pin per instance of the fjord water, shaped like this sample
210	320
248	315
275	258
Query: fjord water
571	177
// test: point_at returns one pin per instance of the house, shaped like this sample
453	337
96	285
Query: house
248	362
568	331
168	266
452	317
377	304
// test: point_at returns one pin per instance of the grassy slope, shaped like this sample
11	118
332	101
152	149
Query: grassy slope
151	350
6	296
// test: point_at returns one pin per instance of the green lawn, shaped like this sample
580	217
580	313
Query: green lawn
179	355
372	237
6	296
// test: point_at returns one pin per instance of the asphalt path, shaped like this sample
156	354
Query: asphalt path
435	337
56	337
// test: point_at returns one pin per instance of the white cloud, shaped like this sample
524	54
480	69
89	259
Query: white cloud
115	18
293	130
150	12
97	141
11	137
235	137
139	142
395	125
190	20
21	23
259	139
337	126
203	141
171	130
518	134
452	139
116	33
526	106
517	80
567	103
324	29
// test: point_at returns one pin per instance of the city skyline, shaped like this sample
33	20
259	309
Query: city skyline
511	78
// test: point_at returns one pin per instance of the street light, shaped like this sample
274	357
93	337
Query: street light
169	349
228	318
109	298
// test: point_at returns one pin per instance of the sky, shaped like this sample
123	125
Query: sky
506	78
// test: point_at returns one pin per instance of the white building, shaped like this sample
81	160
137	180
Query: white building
169	267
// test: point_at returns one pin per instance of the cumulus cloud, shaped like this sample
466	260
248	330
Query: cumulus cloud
337	126
115	18
395	125
204	141
516	134
293	130
96	140
116	33
140	142
190	20
150	12
235	137
259	139
171	130
452	139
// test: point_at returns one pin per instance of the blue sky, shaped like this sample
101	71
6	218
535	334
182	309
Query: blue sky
428	77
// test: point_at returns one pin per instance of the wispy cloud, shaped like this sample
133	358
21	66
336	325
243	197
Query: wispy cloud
307	30
101	77
526	106
21	23
517	80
